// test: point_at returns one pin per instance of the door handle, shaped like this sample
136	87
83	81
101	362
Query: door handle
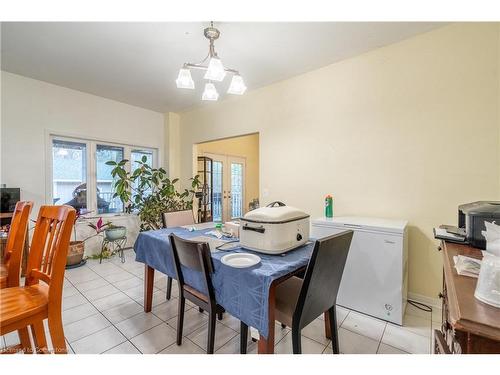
389	241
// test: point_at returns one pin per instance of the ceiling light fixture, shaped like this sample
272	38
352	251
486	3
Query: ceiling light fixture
215	71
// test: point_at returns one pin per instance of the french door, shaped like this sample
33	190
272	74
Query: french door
228	187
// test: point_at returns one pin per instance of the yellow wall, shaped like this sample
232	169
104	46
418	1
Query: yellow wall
245	146
407	131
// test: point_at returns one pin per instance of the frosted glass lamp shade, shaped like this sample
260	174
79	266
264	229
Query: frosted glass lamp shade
237	85
215	71
210	93
184	80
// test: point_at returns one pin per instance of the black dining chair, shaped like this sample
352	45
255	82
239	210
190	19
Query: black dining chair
300	301
176	219
195	256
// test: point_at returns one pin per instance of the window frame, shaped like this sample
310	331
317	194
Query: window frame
91	163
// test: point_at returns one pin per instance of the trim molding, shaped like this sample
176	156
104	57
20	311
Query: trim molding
435	303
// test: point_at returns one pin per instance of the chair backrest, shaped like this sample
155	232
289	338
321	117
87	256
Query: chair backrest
177	218
49	248
195	256
322	278
16	239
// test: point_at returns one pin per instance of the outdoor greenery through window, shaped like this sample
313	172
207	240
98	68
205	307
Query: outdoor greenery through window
79	168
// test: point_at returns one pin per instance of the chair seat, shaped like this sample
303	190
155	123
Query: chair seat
4	272
287	294
21	302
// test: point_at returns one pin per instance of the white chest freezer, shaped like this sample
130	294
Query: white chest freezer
375	279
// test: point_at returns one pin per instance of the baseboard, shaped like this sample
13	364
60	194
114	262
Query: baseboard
435	303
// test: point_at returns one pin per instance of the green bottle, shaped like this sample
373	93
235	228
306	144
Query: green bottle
329	206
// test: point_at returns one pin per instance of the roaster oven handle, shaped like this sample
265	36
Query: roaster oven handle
273	204
260	229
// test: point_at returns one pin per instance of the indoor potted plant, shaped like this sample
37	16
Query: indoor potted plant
149	192
77	247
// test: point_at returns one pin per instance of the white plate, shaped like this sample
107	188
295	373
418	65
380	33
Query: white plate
240	260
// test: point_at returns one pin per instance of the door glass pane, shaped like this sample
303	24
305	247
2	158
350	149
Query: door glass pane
236	190
105	201
217	190
69	171
135	156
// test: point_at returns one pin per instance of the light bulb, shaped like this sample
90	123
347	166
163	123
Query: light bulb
184	80
215	70
237	85
210	93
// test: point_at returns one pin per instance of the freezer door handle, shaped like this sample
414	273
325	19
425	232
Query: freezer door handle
355	226
389	241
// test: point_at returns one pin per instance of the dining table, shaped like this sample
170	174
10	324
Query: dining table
248	294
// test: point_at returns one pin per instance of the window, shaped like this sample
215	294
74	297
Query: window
69	174
105	201
79	166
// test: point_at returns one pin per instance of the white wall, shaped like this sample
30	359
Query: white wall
406	131
31	109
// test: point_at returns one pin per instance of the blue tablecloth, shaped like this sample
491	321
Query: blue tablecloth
243	292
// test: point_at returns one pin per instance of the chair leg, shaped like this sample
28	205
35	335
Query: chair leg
243	338
24	338
57	333
180	319
333	328
200	309
296	340
169	287
39	339
283	325
211	332
220	315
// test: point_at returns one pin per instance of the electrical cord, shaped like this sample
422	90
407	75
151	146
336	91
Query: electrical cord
228	242
420	306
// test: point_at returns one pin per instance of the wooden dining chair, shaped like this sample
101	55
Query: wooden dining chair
41	296
195	256
176	219
10	269
301	301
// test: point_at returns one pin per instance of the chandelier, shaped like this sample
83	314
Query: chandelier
214	71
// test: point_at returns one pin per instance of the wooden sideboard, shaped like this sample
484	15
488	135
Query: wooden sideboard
469	325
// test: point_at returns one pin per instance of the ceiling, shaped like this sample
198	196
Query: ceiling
137	63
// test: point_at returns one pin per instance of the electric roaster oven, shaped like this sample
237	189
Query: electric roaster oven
274	229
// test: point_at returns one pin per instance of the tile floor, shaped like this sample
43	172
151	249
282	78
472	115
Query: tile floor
103	313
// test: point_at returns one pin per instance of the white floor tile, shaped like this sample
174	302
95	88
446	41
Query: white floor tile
364	325
80	275
308	346
123	348
121	312
92	284
353	343
192	321
78	313
128	283
70	291
316	331
233	346
167	310
403	339
387	349
101	292
106	269
98	342
119	276
84	327
111	301
137	292
158	298
222	335
412	310
154	340
73	301
187	347
415	324
137	324
230	321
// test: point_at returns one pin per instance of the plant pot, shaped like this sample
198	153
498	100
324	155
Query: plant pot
75	253
115	233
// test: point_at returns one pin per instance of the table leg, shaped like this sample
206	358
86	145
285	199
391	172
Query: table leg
328	330
149	277
266	346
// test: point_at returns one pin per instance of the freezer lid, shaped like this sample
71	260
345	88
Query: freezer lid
276	212
363	223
